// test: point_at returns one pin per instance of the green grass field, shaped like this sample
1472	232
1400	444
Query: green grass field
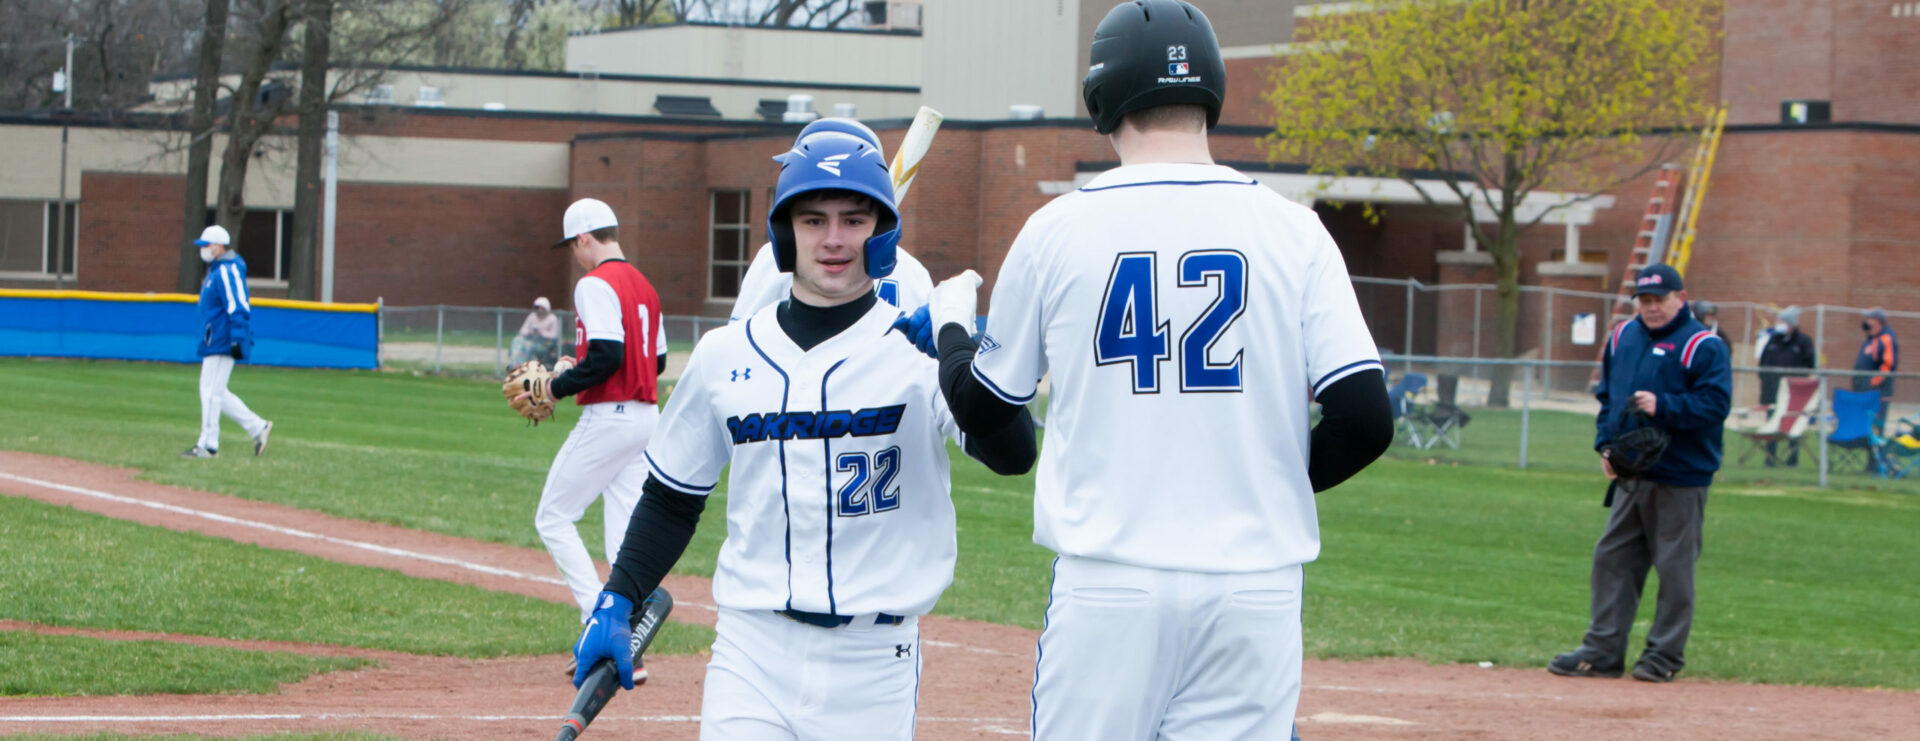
42	665
280	737
1456	560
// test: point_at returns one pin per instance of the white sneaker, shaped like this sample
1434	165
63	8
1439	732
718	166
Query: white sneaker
199	452
260	441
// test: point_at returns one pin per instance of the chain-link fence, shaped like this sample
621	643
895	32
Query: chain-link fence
1811	436
487	340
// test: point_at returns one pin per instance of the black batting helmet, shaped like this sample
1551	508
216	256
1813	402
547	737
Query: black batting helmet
1150	53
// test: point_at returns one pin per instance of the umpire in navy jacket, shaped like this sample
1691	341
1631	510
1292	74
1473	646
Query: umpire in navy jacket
1668	365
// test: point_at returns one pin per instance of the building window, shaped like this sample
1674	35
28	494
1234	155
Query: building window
27	236
266	236
727	243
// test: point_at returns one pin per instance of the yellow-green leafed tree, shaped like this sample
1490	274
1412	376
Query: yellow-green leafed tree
1515	95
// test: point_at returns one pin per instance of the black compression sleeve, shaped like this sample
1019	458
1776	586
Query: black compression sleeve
660	368
975	408
604	358
662	525
1356	426
1010	450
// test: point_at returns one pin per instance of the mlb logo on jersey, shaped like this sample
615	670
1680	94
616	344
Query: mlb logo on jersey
1177	68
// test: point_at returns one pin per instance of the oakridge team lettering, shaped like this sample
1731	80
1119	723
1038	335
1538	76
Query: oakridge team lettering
875	422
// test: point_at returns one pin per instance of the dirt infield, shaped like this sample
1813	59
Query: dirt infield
976	680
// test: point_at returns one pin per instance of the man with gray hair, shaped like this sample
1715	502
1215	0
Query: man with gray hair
1784	346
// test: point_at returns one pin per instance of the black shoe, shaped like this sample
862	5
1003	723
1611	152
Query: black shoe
1574	664
1646	671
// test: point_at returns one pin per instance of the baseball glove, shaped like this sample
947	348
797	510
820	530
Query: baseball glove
1637	445
527	391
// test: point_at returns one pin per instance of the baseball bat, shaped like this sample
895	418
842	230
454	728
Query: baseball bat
603	680
913	148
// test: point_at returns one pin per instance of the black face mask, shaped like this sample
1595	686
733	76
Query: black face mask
1868	328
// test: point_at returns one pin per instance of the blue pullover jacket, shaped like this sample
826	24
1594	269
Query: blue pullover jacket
226	318
1688	368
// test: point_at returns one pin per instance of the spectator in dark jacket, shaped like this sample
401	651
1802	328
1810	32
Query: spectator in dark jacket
1670	367
1784	346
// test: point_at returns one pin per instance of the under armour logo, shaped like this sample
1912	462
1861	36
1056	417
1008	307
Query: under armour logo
901	650
832	163
744	374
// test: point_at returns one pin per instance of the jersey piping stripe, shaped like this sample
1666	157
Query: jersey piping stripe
833	606
786	387
1693	343
676	483
1344	371
1167	182
997	391
1613	343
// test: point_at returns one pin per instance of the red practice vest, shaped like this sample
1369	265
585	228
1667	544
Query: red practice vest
638	377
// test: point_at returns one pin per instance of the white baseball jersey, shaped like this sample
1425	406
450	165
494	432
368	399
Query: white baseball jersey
1186	313
764	285
838	501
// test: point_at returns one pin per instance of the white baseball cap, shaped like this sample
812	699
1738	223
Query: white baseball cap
585	215
213	235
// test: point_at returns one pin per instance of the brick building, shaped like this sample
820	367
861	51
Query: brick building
452	181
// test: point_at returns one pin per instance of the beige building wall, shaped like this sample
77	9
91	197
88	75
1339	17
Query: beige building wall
30	162
589	94
733	52
983	56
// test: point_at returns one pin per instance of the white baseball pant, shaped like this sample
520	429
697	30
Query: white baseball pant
601	456
774	679
1137	654
215	399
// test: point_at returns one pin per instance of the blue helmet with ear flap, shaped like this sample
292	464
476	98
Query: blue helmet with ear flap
835	160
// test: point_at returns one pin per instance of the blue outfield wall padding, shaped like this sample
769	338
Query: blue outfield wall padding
169	331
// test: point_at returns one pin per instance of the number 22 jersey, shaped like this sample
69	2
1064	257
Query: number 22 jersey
838	500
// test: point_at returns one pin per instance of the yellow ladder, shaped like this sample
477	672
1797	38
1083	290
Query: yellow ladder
1697	175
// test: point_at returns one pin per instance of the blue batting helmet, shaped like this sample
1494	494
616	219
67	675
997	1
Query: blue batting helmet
833	160
842	125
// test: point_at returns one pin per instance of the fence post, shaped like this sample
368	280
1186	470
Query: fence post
499	330
439	327
380	331
1547	344
1476	330
1407	366
1526	410
1821	430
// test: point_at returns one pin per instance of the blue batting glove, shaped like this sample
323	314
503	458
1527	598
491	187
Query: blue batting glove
608	635
917	327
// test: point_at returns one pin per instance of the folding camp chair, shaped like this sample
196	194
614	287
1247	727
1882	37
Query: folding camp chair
1441	421
1401	395
1900	454
1853	437
1798	405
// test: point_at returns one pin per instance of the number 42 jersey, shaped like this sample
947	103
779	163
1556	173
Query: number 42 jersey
838	500
1187	315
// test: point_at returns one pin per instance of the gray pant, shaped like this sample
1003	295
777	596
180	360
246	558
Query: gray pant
1657	526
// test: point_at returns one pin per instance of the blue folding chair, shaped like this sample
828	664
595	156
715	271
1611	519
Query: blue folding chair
1401	395
1853	415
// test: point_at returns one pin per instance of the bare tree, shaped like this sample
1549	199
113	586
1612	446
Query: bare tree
316	17
781	13
200	141
252	113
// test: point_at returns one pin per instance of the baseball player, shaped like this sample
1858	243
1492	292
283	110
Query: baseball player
840	524
620	350
1187	315
226	336
765	284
